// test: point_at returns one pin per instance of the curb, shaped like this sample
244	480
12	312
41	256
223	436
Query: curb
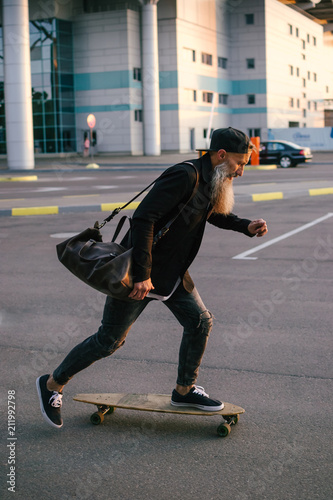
56	210
109	207
21	179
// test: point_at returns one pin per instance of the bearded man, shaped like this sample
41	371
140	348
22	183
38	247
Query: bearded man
188	195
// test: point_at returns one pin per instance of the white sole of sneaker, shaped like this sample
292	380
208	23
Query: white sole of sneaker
200	407
49	421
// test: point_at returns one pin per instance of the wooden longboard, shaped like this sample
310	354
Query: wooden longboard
106	403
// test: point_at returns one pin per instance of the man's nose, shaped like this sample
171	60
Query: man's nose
240	171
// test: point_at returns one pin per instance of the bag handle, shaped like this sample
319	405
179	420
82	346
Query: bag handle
118	209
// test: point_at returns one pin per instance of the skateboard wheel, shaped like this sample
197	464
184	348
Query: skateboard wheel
223	430
97	418
110	410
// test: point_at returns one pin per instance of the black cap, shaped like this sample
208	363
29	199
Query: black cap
229	139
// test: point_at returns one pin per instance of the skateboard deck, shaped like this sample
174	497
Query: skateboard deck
107	403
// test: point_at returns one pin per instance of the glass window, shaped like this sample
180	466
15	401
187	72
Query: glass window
250	63
37	80
65	27
66	80
275	146
188	55
251	99
36	67
249	18
137	74
47	50
207	96
65	65
206	58
222	62
223	98
52	85
35	53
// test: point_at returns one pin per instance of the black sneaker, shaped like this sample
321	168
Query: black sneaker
50	402
196	398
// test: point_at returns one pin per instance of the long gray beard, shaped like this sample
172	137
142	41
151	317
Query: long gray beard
222	197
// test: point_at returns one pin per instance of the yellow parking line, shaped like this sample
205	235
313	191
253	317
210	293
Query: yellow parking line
260	167
278	195
35	211
316	192
25	178
111	206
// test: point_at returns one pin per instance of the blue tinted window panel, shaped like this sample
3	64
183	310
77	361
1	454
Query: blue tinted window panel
65	27
66	80
37	80
104	80
65	66
50	146
50	132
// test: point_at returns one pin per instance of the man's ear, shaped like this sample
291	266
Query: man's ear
221	154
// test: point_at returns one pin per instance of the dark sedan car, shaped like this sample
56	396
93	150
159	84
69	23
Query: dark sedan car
284	153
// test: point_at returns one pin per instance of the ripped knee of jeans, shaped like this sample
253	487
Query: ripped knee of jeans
110	349
205	322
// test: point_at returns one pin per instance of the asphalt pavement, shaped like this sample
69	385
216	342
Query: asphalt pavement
270	350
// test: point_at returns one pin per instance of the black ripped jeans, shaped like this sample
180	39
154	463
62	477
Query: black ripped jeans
117	320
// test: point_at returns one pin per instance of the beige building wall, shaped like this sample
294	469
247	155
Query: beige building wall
296	69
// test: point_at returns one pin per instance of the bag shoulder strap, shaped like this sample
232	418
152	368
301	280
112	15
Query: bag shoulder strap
118	209
166	228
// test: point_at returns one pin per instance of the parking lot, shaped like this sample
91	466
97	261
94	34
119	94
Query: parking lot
270	352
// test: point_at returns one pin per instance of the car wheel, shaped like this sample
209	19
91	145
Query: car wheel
285	162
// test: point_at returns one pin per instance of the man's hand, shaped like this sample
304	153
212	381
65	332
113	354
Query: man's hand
258	227
141	289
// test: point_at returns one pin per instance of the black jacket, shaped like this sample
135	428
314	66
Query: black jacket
174	253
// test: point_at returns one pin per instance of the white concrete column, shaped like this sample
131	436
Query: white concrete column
150	79
17	78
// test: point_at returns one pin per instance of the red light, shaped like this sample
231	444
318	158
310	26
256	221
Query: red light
301	152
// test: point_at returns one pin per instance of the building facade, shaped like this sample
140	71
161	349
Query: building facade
162	74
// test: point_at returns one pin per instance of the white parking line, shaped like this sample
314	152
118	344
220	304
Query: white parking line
244	255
